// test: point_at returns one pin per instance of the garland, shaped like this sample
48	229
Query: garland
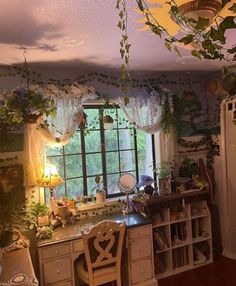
207	42
205	140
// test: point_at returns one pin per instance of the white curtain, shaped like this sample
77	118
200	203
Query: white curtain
143	110
63	125
33	154
57	131
227	194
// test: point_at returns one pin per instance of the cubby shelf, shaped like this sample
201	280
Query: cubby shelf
185	242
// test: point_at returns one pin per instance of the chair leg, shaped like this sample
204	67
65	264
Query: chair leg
118	282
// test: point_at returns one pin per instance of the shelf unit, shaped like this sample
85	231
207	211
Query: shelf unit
182	237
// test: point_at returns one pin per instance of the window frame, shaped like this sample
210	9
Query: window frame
103	153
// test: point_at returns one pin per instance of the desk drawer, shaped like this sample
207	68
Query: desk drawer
141	271
55	250
139	232
57	270
140	249
78	245
65	283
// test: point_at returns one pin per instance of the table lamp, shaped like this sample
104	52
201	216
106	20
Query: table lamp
50	179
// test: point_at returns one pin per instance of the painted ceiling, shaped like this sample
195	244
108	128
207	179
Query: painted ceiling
85	33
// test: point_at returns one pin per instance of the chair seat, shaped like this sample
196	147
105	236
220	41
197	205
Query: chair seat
101	276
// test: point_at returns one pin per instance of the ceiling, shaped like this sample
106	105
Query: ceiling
80	33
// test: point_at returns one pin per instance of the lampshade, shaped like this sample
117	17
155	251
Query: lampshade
50	177
108	122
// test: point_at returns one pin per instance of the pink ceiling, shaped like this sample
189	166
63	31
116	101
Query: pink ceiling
85	32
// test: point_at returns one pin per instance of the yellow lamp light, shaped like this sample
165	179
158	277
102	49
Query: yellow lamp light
50	178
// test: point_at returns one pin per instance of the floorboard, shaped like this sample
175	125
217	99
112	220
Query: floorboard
220	273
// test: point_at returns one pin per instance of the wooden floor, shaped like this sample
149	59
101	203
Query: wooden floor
220	273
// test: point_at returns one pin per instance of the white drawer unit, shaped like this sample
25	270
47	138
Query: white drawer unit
140	256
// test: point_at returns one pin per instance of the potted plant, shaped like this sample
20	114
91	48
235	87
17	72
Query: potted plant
38	218
100	193
25	105
163	172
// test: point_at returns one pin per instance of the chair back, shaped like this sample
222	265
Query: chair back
103	245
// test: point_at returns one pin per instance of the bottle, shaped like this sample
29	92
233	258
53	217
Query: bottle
172	183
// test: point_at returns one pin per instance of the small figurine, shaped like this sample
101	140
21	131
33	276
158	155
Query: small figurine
147	182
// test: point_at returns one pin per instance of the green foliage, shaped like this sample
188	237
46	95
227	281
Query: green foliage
124	44
163	169
34	211
209	44
166	117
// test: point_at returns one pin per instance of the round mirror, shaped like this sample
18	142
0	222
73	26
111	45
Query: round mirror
126	184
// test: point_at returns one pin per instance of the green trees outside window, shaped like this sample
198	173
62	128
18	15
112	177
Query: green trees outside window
94	151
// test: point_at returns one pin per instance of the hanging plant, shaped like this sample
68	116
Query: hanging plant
124	44
207	41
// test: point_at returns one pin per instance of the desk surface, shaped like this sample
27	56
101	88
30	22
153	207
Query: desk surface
73	231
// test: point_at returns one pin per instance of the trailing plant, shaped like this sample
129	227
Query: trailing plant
207	42
124	44
36	210
163	169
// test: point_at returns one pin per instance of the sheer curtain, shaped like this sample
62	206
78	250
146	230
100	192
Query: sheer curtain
58	129
143	110
227	192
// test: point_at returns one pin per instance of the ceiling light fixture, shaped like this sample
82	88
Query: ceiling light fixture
205	9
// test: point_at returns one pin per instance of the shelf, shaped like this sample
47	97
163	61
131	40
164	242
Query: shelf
180	220
200	238
186	243
179	257
160	224
199	216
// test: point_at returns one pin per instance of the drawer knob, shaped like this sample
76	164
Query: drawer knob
142	271
58	271
140	233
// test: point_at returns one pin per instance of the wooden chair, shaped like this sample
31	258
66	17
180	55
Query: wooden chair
103	249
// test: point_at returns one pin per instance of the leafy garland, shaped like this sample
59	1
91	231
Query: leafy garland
205	140
207	43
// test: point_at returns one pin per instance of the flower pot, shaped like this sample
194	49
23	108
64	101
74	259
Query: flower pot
100	196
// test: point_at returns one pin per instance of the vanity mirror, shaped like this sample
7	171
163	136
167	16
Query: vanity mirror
126	184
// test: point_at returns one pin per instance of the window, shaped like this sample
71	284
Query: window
98	152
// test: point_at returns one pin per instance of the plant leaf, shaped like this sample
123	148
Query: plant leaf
233	8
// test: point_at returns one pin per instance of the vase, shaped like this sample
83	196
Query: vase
100	196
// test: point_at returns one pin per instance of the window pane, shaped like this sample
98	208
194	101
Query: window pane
122	121
127	161
74	166
59	192
53	151
112	162
126	140
111	140
145	156
92	186
75	144
74	187
92	118
94	164
58	162
112	184
93	142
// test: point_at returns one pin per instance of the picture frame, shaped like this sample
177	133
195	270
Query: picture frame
164	186
43	220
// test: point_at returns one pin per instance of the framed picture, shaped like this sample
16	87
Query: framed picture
11	179
164	186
